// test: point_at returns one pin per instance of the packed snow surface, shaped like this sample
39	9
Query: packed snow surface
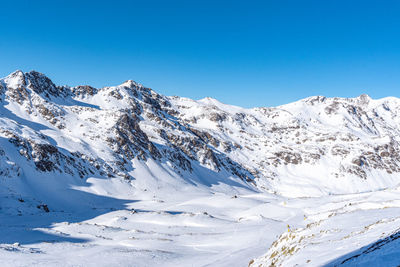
123	176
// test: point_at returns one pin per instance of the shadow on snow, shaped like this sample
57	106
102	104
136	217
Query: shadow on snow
31	227
383	252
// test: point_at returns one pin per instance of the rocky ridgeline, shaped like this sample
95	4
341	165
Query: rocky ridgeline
130	104
356	137
82	131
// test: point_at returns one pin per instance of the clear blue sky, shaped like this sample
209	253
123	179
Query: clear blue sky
248	53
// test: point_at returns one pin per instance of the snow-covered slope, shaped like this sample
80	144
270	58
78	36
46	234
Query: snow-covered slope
110	166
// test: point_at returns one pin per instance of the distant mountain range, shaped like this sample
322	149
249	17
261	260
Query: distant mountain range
315	146
53	138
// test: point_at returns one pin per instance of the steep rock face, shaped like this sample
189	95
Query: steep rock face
315	146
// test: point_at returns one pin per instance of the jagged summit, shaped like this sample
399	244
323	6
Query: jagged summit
131	84
209	101
15	73
40	82
19	75
14	79
21	85
363	98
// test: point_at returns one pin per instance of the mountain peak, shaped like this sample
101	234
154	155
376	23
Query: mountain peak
37	73
364	99
40	83
209	100
364	96
15	79
131	84
16	73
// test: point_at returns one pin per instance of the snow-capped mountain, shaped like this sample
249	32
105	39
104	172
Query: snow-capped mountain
82	131
60	146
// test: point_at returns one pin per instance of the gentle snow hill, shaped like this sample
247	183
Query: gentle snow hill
124	169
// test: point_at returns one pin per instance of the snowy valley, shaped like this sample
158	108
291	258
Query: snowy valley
124	176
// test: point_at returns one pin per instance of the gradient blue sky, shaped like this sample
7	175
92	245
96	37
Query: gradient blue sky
248	53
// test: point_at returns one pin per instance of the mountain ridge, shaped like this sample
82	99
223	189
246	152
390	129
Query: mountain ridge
247	143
